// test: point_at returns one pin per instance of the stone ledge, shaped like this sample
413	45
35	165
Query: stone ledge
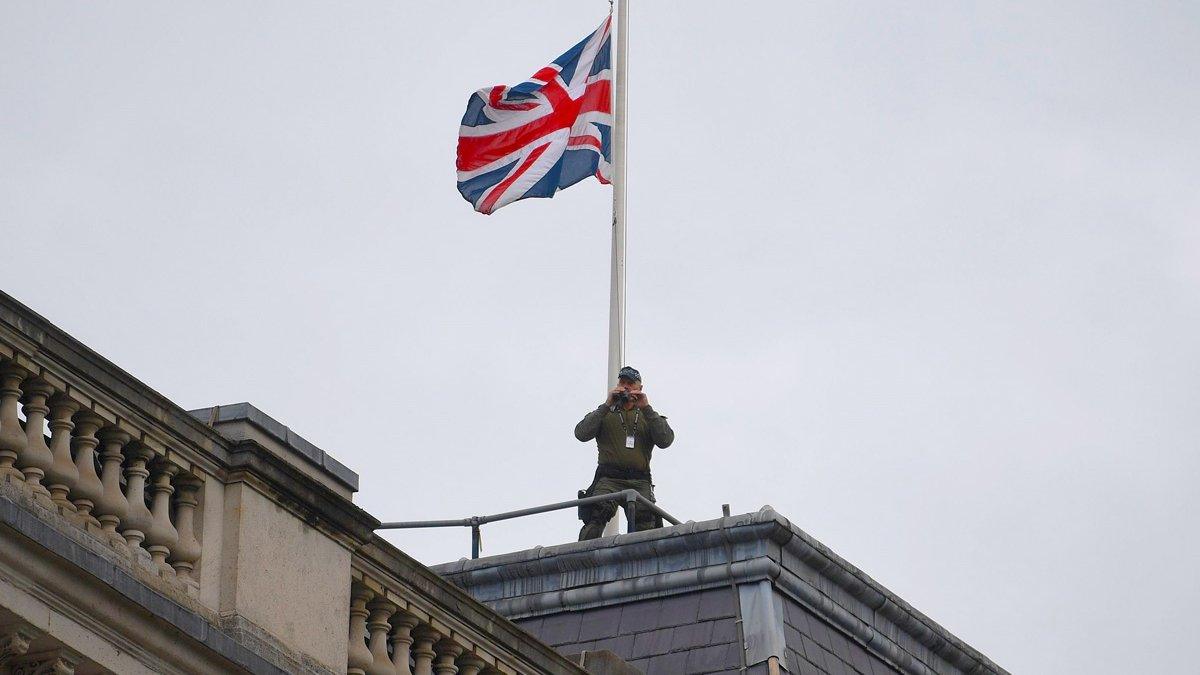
295	443
314	502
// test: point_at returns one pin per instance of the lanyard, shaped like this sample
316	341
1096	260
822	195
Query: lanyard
636	415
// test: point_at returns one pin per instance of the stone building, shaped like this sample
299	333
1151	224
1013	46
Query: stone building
137	537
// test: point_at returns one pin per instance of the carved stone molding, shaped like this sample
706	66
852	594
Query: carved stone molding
54	662
14	641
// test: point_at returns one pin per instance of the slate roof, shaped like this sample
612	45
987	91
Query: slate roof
670	601
688	633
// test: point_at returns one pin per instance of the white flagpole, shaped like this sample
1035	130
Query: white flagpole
616	309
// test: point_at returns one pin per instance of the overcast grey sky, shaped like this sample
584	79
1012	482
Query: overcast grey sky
925	278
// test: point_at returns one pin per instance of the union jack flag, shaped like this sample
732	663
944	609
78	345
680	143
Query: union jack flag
545	134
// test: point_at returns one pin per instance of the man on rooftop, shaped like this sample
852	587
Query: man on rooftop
626	430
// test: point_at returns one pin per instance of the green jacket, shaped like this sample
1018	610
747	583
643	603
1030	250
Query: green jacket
609	428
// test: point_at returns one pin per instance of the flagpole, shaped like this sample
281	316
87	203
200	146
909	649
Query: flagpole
616	309
616	295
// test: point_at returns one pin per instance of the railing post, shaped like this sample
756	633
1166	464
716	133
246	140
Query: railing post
476	538
631	512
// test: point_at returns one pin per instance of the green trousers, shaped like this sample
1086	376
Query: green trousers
603	512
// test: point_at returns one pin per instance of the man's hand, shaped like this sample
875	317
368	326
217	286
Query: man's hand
640	400
612	395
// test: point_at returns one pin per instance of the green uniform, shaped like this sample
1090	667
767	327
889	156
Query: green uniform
621	467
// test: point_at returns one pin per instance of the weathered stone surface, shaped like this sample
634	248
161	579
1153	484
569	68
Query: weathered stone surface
285	576
106	576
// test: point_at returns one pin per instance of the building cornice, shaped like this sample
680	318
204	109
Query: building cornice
313	502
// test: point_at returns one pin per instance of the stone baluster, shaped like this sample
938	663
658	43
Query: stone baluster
187	551
36	459
12	436
470	664
88	488
402	625
447	651
378	627
423	638
62	474
112	506
162	536
358	657
138	520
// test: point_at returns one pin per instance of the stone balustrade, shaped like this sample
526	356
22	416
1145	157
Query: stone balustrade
98	469
404	620
221	516
154	539
392	636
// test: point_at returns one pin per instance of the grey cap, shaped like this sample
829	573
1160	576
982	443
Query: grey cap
630	374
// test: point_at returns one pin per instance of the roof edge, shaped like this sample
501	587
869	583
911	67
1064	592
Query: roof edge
766	545
302	447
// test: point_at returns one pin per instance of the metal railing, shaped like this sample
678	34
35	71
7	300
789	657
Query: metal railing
631	500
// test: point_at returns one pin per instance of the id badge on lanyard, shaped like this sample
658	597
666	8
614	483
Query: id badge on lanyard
630	434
